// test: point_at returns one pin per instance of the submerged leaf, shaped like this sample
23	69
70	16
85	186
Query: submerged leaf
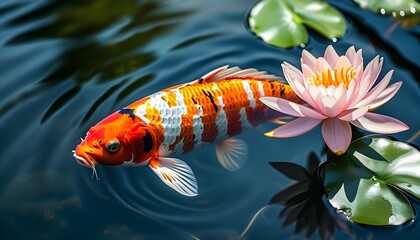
281	22
366	182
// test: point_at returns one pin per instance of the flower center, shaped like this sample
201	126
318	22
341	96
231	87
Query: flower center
328	78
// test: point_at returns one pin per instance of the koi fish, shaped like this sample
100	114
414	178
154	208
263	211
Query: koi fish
210	110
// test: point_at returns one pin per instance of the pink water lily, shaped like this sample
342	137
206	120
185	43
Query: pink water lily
339	91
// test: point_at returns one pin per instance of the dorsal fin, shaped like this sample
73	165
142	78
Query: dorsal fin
235	72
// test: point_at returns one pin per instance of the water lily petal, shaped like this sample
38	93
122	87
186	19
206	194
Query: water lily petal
376	91
351	91
363	84
331	90
321	65
378	123
359	72
270	102
323	90
292	78
337	135
350	54
353	88
291	108
331	56
305	95
330	106
294	128
353	114
368	78
308	59
385	96
356	58
297	86
341	94
376	69
342	61
306	71
293	71
316	95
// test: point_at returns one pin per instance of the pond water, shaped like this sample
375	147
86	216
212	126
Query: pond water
65	65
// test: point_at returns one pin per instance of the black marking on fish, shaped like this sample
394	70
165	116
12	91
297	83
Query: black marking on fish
147	142
129	112
200	80
272	84
282	89
194	101
210	96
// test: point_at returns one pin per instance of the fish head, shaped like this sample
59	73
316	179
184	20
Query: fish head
120	139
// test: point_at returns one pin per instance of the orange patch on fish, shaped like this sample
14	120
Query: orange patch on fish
171	99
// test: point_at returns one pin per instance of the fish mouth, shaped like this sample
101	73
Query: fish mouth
83	161
89	163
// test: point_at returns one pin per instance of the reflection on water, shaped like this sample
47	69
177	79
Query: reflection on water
128	26
303	200
78	18
304	206
66	64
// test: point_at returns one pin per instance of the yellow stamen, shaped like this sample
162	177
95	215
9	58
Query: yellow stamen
328	78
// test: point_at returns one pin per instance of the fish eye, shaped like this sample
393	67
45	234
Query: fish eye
113	146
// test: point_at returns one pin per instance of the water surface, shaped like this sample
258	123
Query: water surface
65	65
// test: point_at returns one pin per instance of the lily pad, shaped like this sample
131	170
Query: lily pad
405	11
368	181
282	22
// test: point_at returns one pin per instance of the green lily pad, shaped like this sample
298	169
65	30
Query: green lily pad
282	22
405	11
367	182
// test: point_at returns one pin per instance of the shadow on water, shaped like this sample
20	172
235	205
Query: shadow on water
131	25
303	200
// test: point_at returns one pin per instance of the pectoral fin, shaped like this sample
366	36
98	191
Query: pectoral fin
232	153
176	174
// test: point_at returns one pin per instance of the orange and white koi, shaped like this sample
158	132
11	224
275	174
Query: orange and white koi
180	119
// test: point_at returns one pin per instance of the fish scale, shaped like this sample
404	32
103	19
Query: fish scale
190	116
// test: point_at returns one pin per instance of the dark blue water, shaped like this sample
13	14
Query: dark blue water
66	64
